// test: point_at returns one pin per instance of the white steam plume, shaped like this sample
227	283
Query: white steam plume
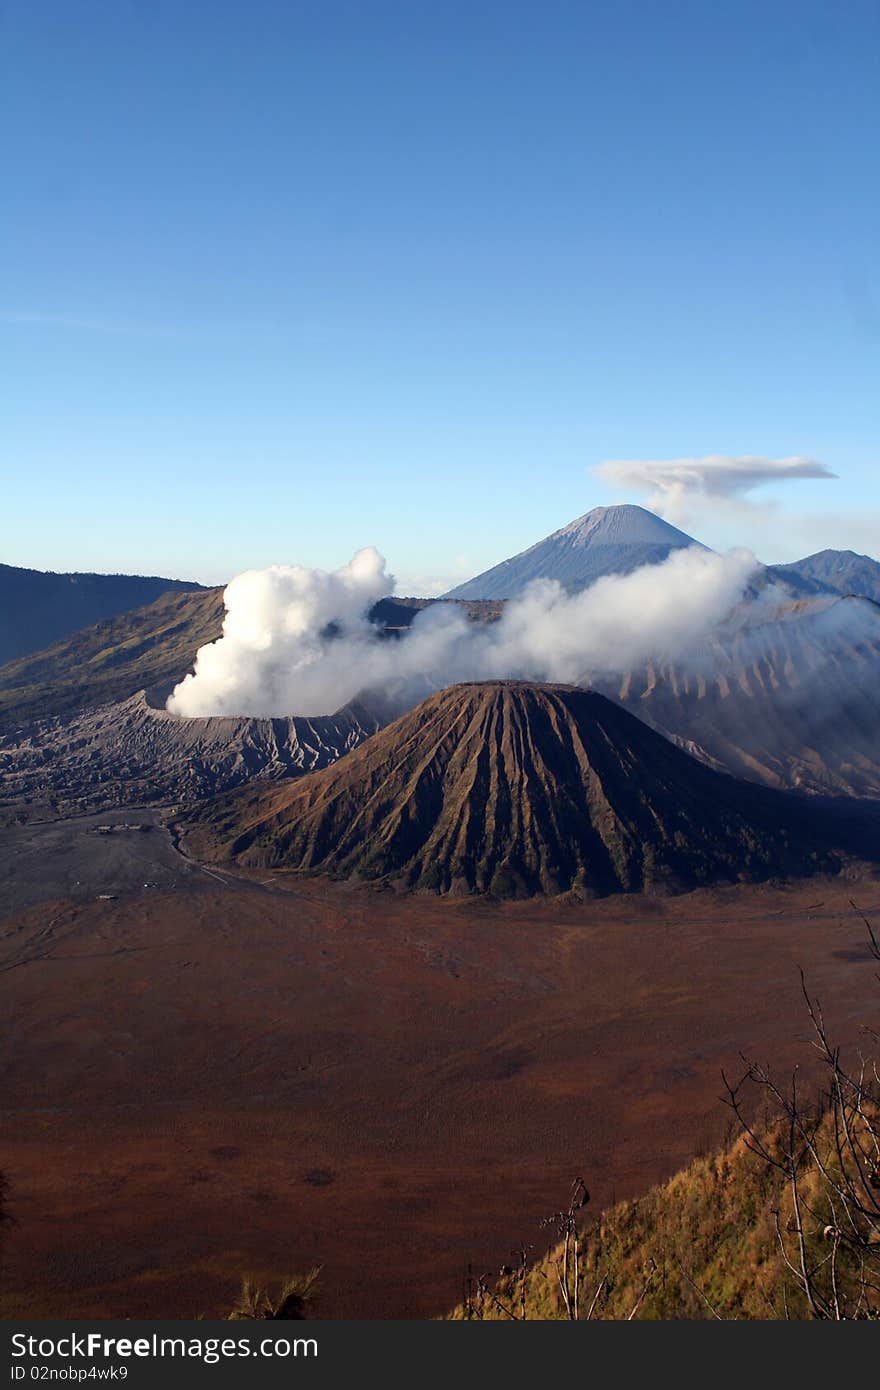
275	635
298	641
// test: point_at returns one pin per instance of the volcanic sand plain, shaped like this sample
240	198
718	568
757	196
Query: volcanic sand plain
223	1075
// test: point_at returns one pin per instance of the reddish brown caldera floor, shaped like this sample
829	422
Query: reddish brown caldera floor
203	1084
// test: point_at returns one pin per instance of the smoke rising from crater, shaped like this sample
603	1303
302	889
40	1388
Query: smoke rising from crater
299	641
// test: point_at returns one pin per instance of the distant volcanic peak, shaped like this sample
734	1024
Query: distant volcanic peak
606	540
514	788
842	571
625	524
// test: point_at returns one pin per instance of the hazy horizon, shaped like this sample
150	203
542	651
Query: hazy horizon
402	586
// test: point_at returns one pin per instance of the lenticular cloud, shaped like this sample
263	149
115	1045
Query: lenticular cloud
299	641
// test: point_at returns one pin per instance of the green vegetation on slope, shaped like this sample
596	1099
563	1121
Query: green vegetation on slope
702	1245
153	645
39	607
293	1301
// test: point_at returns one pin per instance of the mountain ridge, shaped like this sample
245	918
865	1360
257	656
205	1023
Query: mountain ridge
843	572
39	607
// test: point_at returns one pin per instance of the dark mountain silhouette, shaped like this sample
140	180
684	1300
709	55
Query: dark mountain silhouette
37	608
516	788
607	540
149	646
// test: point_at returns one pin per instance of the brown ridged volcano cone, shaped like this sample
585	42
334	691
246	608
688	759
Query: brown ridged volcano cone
515	788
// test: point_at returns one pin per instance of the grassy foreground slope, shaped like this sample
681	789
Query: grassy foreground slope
704	1244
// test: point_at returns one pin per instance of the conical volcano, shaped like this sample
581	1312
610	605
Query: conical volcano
516	788
607	540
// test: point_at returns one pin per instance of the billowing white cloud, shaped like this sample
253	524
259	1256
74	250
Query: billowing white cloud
669	485
280	623
298	641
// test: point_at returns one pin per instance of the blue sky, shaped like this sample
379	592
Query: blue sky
279	280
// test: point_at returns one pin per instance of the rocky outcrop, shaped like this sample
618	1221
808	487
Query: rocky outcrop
132	753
